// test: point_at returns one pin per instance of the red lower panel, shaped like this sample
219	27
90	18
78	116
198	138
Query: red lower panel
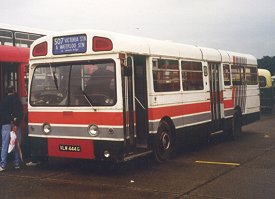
71	148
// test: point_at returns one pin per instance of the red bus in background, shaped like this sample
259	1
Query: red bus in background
13	71
14	57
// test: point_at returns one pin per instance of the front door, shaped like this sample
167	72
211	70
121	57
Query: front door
8	76
141	102
128	104
215	95
135	103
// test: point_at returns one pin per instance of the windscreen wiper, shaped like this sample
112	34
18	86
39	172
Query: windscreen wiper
87	98
54	77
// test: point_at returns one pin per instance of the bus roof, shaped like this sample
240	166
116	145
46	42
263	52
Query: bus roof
266	73
24	29
14	54
152	47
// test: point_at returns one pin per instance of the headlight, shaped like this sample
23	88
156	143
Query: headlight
93	130
46	128
106	154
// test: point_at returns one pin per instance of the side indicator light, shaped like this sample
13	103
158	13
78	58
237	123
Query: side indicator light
40	49
102	44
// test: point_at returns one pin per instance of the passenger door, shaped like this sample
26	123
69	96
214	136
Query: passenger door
128	104
141	101
215	95
135	103
8	76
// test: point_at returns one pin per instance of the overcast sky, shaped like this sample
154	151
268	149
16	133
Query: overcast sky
246	26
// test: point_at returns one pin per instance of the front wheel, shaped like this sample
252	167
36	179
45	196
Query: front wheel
163	142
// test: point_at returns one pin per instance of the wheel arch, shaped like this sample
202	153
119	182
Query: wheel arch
162	140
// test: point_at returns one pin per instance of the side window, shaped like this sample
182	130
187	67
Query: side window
262	81
6	37
25	39
192	75
226	75
251	75
166	75
237	74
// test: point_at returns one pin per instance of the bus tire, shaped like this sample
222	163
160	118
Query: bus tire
163	142
236	128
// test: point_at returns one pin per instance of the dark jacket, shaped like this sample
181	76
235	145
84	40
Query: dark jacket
10	108
100	82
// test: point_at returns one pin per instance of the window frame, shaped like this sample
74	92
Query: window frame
255	75
196	71
170	71
241	72
68	104
230	75
262	77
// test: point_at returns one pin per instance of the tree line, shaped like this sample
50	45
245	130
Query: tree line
267	63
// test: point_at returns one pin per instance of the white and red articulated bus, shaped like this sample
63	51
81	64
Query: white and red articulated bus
108	96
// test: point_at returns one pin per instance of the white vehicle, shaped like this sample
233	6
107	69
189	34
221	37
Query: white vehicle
109	96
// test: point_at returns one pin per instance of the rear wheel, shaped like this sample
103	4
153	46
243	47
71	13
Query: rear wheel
163	142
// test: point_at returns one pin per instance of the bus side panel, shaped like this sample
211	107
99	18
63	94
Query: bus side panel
193	136
181	115
252	109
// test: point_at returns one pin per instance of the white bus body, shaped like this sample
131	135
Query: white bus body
158	91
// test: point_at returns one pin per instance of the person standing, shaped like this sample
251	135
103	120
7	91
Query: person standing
11	113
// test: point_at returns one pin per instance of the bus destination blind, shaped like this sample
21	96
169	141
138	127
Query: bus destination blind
69	44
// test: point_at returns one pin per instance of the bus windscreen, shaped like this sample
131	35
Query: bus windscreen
90	83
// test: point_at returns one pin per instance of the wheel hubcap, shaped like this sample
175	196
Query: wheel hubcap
165	141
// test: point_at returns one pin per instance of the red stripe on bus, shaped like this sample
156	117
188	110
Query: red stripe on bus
71	148
99	118
230	103
179	110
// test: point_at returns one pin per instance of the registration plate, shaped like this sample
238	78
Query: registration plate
69	148
70	44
